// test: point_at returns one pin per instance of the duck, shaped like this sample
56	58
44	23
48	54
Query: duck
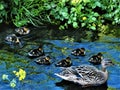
13	40
78	52
96	59
22	30
43	60
86	75
36	52
64	62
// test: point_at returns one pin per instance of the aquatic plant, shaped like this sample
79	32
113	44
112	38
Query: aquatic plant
21	75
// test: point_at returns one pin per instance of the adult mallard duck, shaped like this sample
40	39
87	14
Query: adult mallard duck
43	60
22	30
36	52
13	40
78	52
64	62
86	75
96	59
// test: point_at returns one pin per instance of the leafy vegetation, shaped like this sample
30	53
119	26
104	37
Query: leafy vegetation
90	14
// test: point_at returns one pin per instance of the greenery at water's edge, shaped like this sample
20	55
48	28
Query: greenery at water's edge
90	14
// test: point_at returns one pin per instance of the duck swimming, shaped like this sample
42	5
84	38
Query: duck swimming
78	52
36	52
43	60
96	59
64	63
86	75
13	40
22	31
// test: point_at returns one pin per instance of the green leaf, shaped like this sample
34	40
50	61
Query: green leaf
93	27
75	24
16	2
93	19
1	7
98	4
83	24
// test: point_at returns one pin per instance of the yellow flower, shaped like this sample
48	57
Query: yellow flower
84	18
21	74
13	85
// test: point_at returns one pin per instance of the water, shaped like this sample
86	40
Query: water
57	46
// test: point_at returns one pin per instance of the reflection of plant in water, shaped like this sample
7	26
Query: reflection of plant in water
21	74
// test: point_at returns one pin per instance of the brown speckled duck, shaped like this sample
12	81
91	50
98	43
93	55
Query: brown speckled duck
64	62
96	59
36	52
78	52
22	30
43	60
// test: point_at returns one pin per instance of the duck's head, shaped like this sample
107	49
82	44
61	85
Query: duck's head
22	30
106	62
99	54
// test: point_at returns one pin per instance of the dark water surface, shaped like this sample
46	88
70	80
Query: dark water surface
57	45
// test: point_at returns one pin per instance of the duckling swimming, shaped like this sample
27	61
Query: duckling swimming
86	75
43	60
22	30
64	63
36	52
78	52
13	40
96	59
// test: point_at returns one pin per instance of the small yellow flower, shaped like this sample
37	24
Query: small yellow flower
84	18
12	85
21	74
5	77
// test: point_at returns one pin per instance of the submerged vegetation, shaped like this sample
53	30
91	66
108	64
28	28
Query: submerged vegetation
90	14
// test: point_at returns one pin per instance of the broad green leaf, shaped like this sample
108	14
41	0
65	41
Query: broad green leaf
75	24
1	6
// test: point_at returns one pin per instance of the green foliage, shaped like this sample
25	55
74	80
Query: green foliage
89	14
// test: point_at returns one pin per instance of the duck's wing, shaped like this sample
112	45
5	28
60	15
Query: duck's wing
90	74
67	74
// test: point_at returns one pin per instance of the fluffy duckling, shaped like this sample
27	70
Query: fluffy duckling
96	59
13	40
64	63
86	75
78	52
36	52
22	31
43	60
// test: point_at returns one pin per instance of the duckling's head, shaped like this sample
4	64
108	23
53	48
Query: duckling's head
82	49
25	29
47	58
68	59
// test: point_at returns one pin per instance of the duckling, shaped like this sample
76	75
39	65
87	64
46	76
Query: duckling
36	52
86	75
13	40
43	60
96	59
64	63
22	31
78	52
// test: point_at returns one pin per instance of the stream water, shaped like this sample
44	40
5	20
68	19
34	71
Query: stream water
58	46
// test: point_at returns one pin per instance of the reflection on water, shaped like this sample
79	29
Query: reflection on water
71	86
58	45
